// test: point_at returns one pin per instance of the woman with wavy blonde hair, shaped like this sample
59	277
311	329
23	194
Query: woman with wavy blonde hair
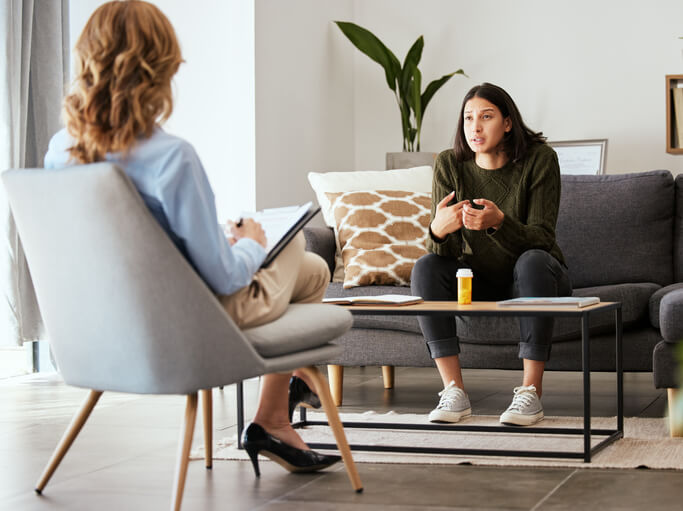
126	57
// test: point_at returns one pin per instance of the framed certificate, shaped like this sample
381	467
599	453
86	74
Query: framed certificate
581	156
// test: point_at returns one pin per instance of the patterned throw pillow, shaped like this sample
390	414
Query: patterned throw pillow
381	234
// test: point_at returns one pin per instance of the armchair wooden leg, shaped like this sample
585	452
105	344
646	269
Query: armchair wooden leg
323	390
675	427
336	376
68	438
388	376
184	451
207	409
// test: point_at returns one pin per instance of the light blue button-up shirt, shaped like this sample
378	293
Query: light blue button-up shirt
171	180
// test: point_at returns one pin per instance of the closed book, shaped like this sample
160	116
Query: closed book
551	301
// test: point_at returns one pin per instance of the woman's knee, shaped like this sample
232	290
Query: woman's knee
423	271
532	260
312	279
299	241
319	267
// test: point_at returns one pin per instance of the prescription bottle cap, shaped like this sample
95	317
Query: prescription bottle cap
464	272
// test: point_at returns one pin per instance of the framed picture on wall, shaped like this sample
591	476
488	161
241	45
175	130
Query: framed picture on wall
581	156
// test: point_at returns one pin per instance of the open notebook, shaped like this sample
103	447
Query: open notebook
375	300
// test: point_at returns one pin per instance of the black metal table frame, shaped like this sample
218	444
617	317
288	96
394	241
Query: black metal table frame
588	451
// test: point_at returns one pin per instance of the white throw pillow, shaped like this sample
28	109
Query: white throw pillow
415	179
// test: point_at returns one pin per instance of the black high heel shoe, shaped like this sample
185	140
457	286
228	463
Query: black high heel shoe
257	440
299	393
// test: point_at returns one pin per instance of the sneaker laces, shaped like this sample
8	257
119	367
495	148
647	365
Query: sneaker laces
449	395
524	397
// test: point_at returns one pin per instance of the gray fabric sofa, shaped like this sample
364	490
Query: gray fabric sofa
622	237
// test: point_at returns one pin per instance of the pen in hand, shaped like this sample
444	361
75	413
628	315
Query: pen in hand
239	222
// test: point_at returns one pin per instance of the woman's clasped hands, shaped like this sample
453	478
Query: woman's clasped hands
450	218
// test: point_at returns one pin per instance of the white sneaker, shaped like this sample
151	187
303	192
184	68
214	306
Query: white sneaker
453	405
526	408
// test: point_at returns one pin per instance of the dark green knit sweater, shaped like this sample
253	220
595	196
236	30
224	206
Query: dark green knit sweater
527	192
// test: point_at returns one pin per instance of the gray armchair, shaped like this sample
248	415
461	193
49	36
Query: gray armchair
125	312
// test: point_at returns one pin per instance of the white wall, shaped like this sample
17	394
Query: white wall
214	90
304	97
577	69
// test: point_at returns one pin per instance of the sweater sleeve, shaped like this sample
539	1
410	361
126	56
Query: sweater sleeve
542	206
443	183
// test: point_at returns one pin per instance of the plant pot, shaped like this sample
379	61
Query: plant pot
405	159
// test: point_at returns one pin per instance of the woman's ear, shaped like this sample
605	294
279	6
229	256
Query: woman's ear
507	124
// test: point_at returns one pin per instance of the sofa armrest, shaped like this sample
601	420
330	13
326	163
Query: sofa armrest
320	240
670	314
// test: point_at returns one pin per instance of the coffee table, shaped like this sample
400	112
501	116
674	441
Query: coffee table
435	308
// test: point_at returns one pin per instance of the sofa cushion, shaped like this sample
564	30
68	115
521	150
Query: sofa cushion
656	299
665	366
381	234
678	231
416	179
294	331
617	228
671	312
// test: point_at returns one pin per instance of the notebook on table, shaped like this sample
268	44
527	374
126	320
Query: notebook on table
551	301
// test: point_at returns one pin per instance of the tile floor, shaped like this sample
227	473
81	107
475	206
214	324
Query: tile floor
124	457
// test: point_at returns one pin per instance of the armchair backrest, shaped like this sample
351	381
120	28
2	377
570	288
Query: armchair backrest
124	311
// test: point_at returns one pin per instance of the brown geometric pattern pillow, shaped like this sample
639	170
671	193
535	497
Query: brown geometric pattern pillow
381	234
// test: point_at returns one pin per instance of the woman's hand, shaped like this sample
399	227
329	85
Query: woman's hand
248	228
482	219
447	219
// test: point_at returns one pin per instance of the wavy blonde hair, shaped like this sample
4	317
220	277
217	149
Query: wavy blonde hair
125	59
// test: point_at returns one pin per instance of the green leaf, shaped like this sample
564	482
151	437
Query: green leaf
415	100
435	86
405	121
366	42
413	132
411	61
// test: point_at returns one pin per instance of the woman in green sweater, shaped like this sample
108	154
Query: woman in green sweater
508	241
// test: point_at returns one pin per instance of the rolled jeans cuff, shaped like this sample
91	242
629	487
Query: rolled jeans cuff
443	347
532	351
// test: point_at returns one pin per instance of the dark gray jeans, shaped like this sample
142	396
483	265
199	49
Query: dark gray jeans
536	273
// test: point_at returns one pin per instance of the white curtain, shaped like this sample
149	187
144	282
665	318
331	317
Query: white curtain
33	77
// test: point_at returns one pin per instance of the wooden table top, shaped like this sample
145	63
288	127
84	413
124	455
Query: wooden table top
478	309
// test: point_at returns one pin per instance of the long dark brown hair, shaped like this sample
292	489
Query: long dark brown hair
516	142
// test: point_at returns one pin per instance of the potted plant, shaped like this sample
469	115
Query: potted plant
405	81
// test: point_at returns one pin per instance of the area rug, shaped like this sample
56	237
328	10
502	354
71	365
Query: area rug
646	442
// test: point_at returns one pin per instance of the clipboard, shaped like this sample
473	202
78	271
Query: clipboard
281	225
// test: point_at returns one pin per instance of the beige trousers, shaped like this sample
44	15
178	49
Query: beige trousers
295	276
